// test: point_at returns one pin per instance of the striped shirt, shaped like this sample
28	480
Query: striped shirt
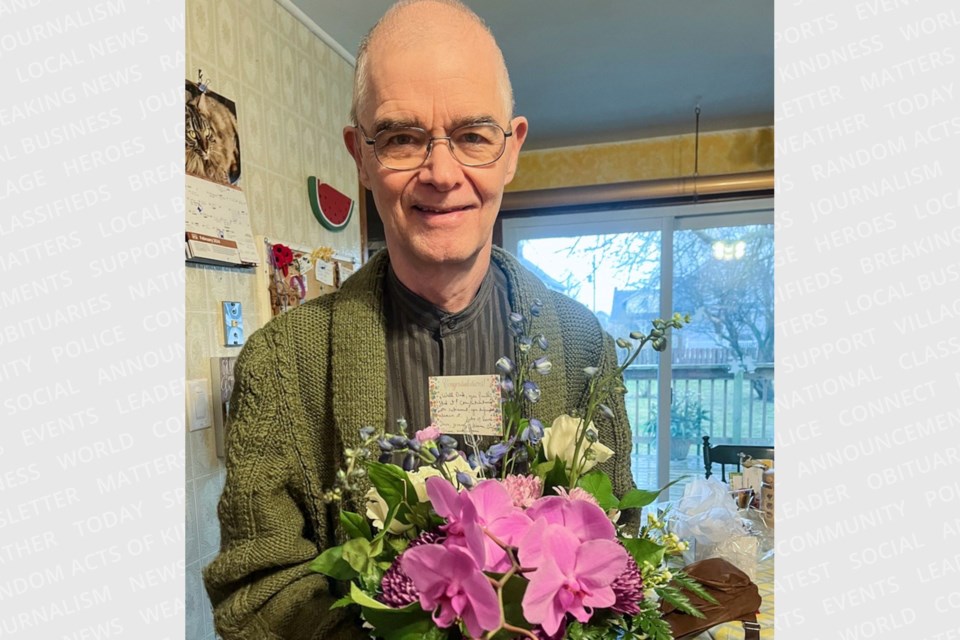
423	341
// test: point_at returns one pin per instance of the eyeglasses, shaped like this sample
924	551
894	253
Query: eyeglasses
473	145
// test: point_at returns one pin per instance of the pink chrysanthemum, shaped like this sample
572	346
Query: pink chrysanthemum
396	586
628	587
576	494
523	490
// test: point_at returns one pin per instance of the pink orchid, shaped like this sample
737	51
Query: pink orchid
453	587
487	506
585	520
572	576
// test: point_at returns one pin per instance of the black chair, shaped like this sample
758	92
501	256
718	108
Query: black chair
724	454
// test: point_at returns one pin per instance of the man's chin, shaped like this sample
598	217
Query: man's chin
451	256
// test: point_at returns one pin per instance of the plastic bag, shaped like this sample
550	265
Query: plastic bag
707	517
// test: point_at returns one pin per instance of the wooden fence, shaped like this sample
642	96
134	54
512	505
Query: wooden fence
737	412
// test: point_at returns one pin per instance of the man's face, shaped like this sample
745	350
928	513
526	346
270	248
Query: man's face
443	212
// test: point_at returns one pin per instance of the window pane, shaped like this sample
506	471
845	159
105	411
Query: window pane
617	277
722	361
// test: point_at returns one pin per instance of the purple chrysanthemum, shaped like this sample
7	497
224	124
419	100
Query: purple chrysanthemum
396	586
543	635
628	587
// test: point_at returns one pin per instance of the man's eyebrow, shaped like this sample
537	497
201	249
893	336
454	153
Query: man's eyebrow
389	124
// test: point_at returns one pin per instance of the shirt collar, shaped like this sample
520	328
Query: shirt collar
429	316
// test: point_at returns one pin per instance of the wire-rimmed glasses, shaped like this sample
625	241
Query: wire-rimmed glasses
405	148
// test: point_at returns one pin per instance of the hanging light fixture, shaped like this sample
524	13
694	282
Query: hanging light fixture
733	250
696	152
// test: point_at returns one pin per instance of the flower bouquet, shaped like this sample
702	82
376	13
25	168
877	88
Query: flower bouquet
516	540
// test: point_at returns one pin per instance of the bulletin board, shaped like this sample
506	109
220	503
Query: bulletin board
309	273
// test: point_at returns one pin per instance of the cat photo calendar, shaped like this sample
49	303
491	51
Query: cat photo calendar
216	217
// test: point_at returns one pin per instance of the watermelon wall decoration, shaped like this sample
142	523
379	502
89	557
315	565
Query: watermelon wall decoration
332	208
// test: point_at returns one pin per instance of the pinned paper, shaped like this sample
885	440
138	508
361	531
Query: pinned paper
326	272
346	270
468	405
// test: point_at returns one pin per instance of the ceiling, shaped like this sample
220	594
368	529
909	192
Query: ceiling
600	71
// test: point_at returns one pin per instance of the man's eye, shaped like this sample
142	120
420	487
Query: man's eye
472	138
401	140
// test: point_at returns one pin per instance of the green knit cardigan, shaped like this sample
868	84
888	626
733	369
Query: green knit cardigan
305	384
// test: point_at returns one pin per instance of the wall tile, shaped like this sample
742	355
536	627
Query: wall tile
196	601
191	544
249	37
306	77
199	30
196	292
228	46
288	77
205	460
208	490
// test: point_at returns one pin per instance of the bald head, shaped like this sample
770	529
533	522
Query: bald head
410	23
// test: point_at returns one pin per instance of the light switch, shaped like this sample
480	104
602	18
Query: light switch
198	405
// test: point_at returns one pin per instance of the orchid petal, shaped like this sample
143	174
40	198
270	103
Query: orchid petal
540	604
600	562
484	611
443	497
588	521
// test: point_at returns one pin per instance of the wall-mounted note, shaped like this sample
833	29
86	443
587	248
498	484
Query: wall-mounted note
326	272
467	405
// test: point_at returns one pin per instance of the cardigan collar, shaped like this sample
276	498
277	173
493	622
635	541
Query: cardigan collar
359	360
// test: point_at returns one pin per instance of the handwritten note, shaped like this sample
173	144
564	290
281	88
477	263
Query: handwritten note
467	405
326	272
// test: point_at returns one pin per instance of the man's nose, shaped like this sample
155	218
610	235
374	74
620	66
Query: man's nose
441	168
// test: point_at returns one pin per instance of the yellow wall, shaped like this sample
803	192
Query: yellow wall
737	151
293	98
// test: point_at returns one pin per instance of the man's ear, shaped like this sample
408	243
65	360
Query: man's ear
514	142
354	144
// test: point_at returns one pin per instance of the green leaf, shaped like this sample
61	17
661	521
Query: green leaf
345	601
640	498
650	622
357	553
598	484
693	586
672	595
513	592
365	601
644	550
412	623
556	476
392	483
331	563
355	525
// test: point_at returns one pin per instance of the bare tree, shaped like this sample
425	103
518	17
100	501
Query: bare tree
733	296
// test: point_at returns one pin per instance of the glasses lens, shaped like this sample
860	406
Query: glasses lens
472	145
401	148
478	144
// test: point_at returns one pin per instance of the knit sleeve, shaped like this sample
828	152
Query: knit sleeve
260	584
586	344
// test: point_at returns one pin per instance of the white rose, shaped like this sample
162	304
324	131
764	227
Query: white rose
377	506
377	511
560	441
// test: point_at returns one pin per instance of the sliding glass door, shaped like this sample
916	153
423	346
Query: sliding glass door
714	262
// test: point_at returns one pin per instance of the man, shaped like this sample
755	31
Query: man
435	140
